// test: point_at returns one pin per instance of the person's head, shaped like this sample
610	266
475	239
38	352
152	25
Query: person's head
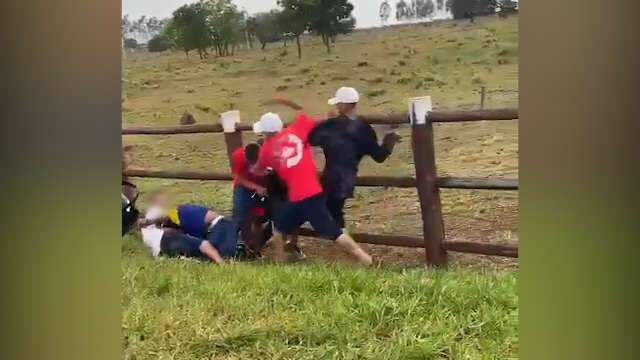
251	153
159	198
126	157
268	125
345	100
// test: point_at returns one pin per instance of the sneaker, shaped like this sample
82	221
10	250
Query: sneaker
295	251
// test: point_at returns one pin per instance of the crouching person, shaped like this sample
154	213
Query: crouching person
257	229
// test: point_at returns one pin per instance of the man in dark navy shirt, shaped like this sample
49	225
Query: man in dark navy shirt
345	140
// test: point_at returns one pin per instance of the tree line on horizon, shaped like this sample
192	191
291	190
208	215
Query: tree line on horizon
221	26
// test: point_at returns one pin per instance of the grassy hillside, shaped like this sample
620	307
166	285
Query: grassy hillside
449	61
179	309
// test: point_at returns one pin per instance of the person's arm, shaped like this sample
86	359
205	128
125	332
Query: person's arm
207	249
260	168
284	102
162	221
249	184
297	107
318	134
369	141
238	164
210	216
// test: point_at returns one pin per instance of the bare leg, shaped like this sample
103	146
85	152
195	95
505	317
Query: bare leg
293	248
350	246
277	242
211	252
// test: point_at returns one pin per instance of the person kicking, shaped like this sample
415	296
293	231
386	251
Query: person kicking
345	139
289	154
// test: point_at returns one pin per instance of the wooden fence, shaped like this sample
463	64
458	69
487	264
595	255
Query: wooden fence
426	181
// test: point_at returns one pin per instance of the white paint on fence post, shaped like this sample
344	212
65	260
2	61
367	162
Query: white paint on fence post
419	109
229	120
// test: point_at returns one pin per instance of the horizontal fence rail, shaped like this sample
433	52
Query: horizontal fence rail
364	181
426	182
506	250
389	119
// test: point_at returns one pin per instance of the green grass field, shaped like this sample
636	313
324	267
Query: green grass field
325	309
180	309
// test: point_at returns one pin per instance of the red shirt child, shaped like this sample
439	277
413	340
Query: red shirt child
289	154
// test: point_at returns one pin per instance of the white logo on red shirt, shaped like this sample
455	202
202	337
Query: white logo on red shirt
290	151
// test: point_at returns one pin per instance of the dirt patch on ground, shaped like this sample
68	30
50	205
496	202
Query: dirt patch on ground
498	228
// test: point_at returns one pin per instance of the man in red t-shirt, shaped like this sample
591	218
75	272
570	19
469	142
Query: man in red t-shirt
289	154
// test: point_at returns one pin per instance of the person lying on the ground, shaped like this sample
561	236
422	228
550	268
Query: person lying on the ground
345	139
170	241
289	154
164	232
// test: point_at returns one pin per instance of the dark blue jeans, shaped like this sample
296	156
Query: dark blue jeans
224	238
242	204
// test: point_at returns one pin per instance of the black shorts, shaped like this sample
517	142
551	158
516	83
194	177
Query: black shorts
313	210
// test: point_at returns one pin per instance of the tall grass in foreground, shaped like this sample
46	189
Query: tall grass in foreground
180	309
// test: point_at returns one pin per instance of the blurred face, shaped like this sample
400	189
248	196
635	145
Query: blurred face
268	135
161	200
251	152
345	108
126	160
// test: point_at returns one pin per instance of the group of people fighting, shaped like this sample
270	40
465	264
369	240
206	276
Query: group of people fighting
276	189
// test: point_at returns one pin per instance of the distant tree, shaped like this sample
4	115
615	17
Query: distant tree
404	11
154	26
385	12
294	19
346	26
169	35
226	25
328	18
417	9
158	43
125	30
140	29
423	8
265	27
130	43
467	9
192	28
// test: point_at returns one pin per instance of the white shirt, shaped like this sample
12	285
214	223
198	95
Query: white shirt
152	234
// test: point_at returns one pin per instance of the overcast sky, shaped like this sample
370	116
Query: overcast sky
366	12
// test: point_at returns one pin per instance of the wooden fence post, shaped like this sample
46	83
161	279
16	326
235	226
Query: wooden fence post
232	137
426	180
483	94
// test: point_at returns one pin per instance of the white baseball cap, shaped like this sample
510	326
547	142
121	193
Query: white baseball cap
345	95
269	123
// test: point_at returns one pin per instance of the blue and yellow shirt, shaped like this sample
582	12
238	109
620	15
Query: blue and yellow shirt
191	219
